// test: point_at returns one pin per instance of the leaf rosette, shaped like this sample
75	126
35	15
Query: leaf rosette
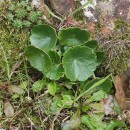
75	56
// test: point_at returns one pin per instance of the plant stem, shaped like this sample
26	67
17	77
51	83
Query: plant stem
51	13
6	61
81	7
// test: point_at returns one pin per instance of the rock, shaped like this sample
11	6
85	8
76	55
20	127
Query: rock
62	7
108	105
122	91
106	12
121	8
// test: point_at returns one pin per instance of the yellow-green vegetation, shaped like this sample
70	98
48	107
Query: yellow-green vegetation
64	93
20	14
12	44
16	19
69	95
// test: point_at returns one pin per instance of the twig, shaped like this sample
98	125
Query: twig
31	122
56	116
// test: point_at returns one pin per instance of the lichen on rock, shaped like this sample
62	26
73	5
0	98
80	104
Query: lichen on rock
112	31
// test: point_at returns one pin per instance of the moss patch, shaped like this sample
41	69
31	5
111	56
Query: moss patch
116	47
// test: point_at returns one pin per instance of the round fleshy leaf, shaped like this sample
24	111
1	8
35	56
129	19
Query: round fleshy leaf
100	57
55	73
38	59
52	88
55	57
73	36
63	49
57	70
79	63
43	37
92	44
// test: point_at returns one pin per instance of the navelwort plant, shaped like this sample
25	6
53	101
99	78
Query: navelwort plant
68	57
69	53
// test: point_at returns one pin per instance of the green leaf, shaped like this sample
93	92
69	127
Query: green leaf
86	121
105	86
38	59
97	96
23	85
66	98
67	101
92	44
43	37
85	108
79	63
90	83
100	57
96	106
73	36
94	122
54	108
55	57
38	85
69	85
113	124
95	85
52	87
55	72
97	121
63	49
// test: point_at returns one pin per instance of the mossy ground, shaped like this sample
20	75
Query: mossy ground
12	45
32	110
116	47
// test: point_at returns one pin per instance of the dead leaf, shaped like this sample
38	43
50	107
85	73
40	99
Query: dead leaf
122	91
16	89
8	109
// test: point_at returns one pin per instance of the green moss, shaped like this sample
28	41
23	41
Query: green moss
120	24
119	64
12	45
116	47
117	54
16	13
16	20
